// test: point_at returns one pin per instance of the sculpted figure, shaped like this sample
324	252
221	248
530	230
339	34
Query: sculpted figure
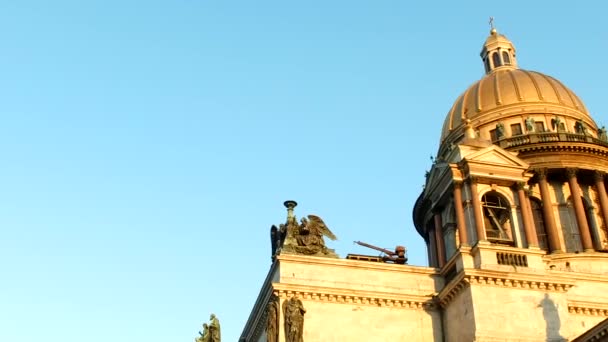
311	232
293	311
500	130
305	237
556	124
601	134
204	336
272	324
214	329
529	124
579	127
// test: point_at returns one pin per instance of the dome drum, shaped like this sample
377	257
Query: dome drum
521	163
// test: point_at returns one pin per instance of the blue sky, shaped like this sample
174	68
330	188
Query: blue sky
147	146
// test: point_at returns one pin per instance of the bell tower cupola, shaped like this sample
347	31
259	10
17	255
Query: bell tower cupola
498	52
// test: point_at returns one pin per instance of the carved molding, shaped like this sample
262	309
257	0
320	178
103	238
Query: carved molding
460	282
330	295
571	172
520	186
587	308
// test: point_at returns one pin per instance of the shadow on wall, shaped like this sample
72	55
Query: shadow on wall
552	321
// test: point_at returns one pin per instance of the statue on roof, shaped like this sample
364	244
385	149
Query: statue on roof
306	237
214	329
601	134
211	331
204	335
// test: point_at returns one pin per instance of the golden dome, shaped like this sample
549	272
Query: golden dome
506	92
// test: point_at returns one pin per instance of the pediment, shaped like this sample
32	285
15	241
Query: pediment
495	155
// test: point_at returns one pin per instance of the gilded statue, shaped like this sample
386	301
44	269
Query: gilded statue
211	331
214	329
293	313
204	335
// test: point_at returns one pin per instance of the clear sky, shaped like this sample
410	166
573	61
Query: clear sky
147	146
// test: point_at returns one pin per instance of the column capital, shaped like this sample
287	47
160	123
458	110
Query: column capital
472	179
542	173
571	172
520	186
598	175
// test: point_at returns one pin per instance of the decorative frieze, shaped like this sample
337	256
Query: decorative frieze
329	295
587	308
463	280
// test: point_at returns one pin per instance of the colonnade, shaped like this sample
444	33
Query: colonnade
436	240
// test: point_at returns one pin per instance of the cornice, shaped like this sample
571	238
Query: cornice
562	147
346	263
587	308
471	277
253	328
346	296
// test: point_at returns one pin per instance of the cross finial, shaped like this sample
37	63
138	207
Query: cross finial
491	22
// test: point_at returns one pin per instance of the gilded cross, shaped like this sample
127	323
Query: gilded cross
491	22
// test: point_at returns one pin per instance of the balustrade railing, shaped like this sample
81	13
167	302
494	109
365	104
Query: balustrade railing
544	137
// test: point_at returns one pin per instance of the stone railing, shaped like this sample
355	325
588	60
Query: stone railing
512	259
544	137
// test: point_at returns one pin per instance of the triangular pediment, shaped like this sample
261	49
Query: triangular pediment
495	155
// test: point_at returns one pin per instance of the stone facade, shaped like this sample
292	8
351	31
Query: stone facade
514	215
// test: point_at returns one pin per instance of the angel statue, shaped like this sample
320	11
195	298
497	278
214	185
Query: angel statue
310	234
305	237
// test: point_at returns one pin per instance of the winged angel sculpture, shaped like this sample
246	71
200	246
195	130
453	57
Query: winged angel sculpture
307	237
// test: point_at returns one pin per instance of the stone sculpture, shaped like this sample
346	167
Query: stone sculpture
293	313
214	329
529	124
204	335
500	130
601	134
306	238
272	322
211	331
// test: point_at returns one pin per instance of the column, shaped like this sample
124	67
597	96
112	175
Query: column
579	208
526	215
481	233
601	191
548	216
439	240
432	249
462	228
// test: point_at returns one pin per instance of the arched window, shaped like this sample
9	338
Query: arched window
487	64
497	217
539	223
496	59
505	58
